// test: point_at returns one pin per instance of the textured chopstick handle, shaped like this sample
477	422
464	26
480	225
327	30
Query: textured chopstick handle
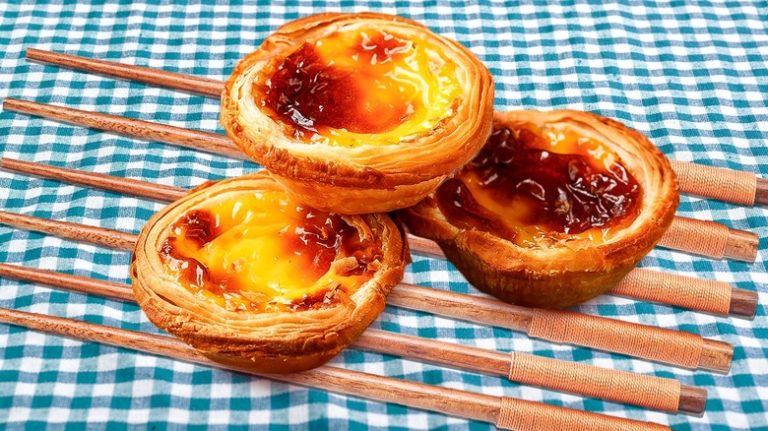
711	239
717	183
677	348
693	293
628	388
686	234
521	415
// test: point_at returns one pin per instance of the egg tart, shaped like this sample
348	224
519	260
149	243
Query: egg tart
359	113
554	210
245	274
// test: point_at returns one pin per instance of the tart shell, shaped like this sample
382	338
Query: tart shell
560	276
373	178
268	342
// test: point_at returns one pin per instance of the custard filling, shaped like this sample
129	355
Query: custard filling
360	86
262	251
539	185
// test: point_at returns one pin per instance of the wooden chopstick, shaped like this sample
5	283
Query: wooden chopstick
504	412
705	238
629	388
678	348
202	141
193	84
721	183
701	295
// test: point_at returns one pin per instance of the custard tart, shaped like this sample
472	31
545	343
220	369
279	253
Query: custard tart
359	113
246	275
554	210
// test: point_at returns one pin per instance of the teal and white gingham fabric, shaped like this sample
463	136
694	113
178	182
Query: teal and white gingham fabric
694	77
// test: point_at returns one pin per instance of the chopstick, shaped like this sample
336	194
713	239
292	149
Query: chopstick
678	348
629	388
193	84
729	185
697	294
704	238
504	412
202	141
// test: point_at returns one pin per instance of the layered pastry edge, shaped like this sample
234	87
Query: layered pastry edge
286	339
562	273
361	178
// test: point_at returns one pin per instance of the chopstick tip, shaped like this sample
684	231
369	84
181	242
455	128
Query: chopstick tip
716	356
35	54
744	303
693	400
761	195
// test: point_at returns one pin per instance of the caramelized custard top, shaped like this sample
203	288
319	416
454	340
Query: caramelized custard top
262	251
532	184
352	84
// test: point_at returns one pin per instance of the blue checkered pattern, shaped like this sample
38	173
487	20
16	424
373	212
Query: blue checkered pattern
694	77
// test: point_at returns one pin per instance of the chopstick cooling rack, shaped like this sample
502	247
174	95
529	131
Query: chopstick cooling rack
676	348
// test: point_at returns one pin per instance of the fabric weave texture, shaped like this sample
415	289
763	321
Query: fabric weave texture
692	76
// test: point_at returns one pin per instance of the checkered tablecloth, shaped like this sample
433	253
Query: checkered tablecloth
692	77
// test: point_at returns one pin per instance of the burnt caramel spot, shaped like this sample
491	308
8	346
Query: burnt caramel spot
309	93
198	226
192	273
564	193
321	238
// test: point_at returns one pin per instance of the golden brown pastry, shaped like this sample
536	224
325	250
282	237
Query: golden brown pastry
247	275
359	113
555	210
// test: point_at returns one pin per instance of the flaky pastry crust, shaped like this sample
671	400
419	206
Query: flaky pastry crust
268	341
366	178
561	274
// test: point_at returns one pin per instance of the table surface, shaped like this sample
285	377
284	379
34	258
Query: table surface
694	78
